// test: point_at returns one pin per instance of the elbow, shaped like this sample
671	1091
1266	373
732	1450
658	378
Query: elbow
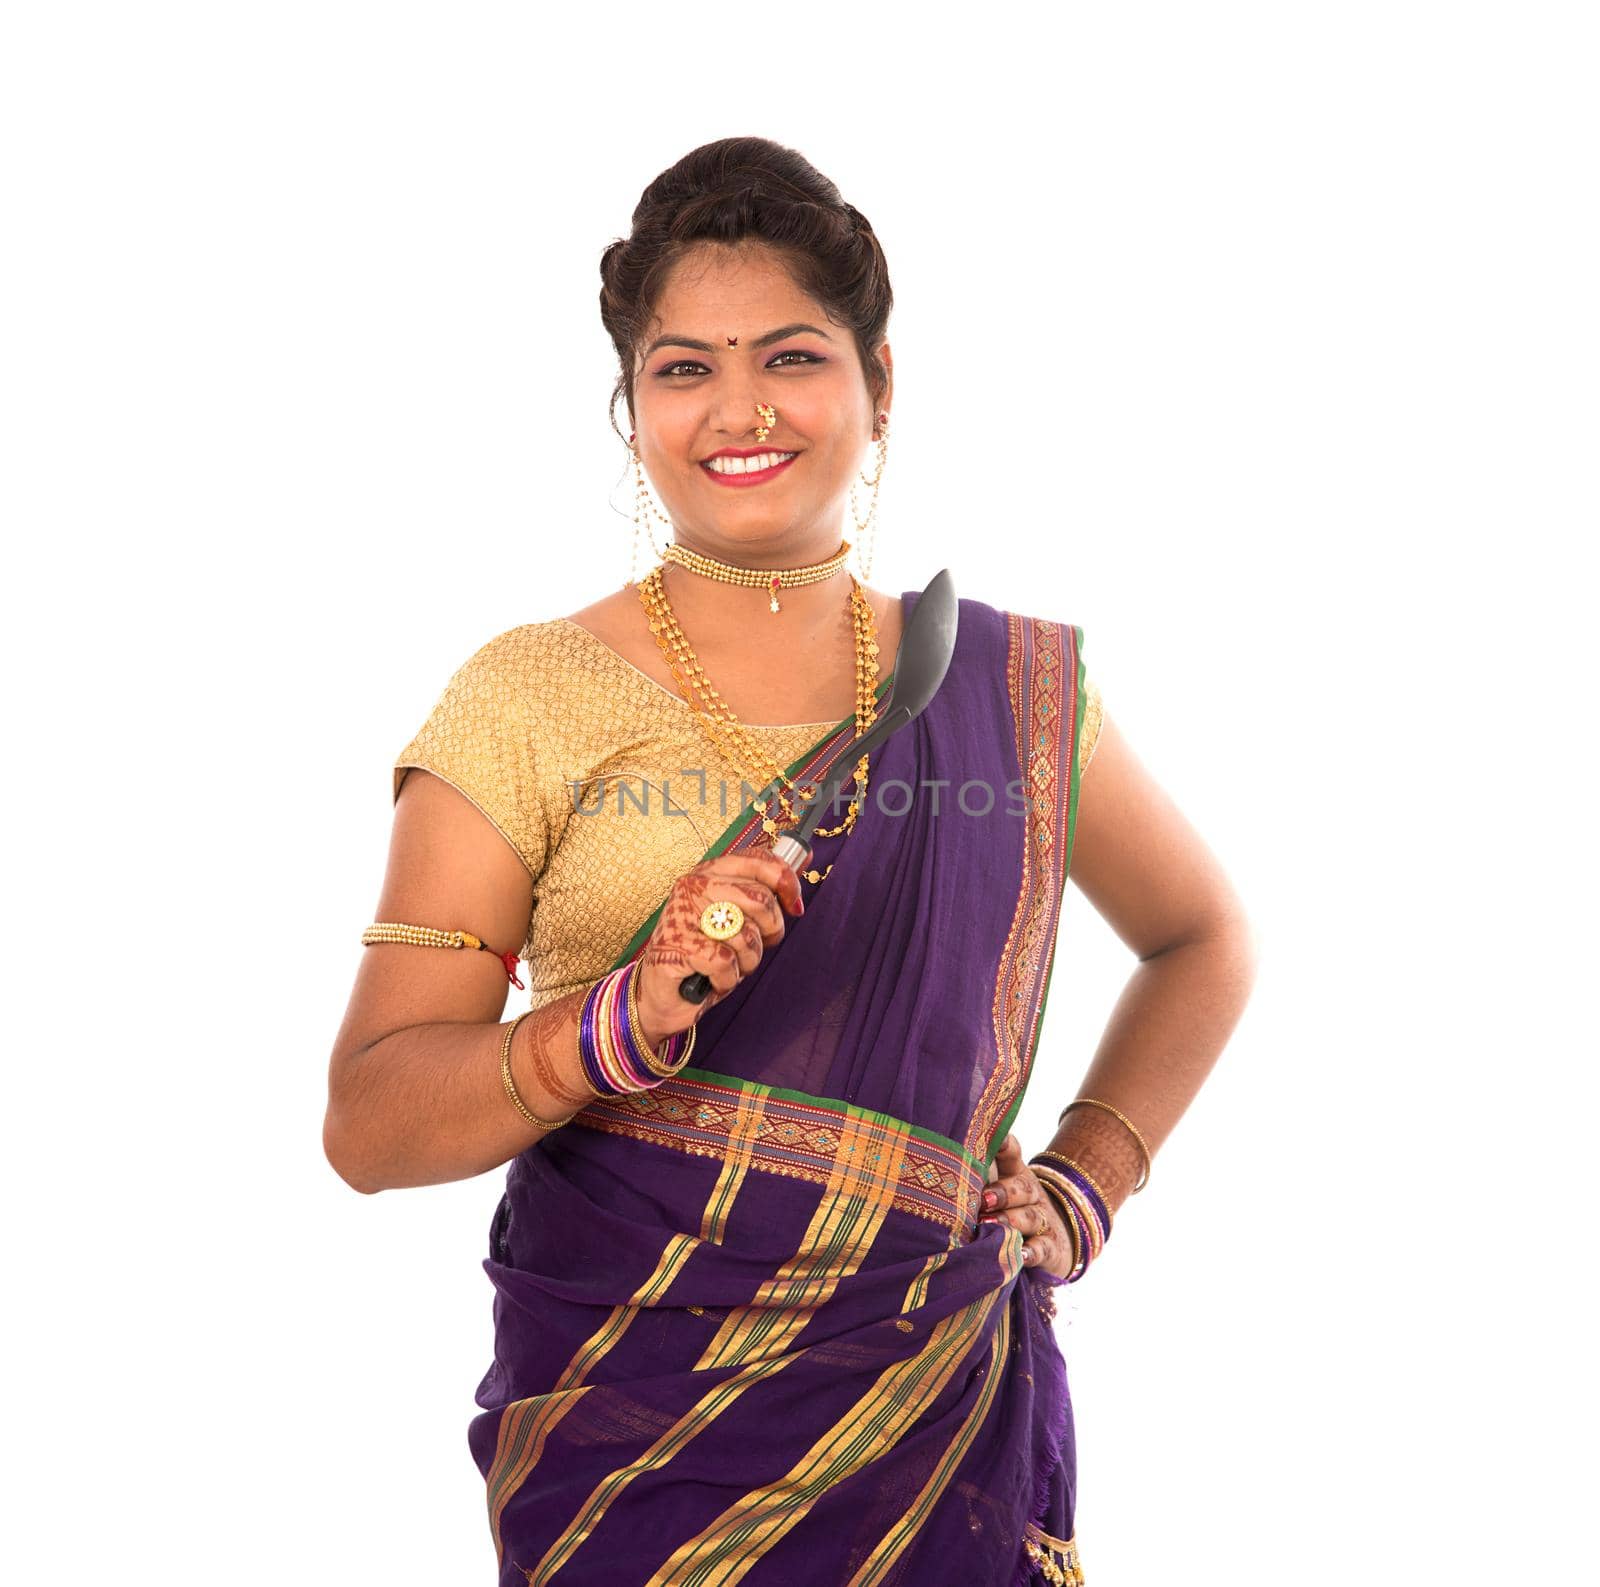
1231	941
1240	947
345	1163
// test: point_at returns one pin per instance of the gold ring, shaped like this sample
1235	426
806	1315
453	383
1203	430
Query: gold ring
722	919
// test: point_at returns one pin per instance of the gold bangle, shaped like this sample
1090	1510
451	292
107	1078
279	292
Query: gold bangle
1132	1128
653	1060
1081	1169
511	1085
1068	1222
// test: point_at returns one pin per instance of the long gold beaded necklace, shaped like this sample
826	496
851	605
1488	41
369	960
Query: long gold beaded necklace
725	729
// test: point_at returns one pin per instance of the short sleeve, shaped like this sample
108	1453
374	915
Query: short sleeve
481	738
1089	733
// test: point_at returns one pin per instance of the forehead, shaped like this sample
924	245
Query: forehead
716	289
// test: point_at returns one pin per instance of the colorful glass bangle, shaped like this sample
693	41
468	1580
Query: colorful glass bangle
614	1059
1088	1224
1079	1177
1069	1222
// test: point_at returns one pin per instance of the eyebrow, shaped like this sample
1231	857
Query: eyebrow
760	341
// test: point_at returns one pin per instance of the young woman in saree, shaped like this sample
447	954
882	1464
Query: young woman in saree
772	1295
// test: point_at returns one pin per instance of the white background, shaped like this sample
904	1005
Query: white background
1259	340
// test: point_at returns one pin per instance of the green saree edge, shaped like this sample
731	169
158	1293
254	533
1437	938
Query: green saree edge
834	1105
1080	700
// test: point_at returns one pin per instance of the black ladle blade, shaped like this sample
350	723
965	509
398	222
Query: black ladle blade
921	661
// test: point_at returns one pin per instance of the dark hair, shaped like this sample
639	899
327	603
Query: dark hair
740	190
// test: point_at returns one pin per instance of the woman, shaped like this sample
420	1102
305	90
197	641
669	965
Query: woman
773	1281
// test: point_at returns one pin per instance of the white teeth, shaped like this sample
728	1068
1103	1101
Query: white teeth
747	465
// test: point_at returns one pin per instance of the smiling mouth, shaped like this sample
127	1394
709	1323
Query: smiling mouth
748	470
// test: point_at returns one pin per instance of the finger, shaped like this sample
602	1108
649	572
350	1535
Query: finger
768	868
747	947
678	957
756	899
1031	1219
1011	1190
1038	1251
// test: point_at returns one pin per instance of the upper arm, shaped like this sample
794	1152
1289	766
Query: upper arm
448	867
473	825
1137	859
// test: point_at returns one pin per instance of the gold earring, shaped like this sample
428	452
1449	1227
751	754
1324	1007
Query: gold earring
768	416
866	528
641	498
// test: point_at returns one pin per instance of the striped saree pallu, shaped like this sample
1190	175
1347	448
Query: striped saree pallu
747	1326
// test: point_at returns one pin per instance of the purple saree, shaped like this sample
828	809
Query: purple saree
747	1327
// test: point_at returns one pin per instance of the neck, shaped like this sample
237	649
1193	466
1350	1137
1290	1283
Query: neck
788	551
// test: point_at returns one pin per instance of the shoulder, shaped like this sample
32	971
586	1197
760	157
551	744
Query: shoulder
512	653
1047	640
526	666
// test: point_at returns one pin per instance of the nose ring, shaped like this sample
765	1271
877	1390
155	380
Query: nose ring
768	416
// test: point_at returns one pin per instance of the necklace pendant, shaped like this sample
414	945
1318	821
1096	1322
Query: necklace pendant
775	582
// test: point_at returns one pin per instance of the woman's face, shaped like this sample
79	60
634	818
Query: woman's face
695	394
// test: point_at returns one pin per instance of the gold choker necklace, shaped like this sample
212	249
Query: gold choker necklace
769	579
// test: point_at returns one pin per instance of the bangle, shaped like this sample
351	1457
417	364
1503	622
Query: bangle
1088	1218
551	1081
1068	1222
1082	1248
1144	1151
511	1085
1090	1192
660	1064
1082	1173
614	1058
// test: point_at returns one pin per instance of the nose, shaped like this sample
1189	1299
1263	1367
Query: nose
733	404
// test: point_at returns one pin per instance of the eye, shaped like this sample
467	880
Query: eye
672	369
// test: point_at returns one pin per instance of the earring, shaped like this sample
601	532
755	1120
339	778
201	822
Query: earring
867	527
768	416
641	499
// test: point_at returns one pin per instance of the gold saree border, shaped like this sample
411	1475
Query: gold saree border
1044	684
798	1136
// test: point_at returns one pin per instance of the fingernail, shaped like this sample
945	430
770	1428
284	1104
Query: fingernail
988	1198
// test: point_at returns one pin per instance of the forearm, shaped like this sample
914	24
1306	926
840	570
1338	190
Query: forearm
1165	1033
426	1105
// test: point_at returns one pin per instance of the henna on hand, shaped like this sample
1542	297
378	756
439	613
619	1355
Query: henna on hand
762	885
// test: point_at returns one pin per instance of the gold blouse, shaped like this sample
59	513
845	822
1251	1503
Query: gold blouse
602	780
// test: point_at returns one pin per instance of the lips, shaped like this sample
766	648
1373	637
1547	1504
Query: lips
760	477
